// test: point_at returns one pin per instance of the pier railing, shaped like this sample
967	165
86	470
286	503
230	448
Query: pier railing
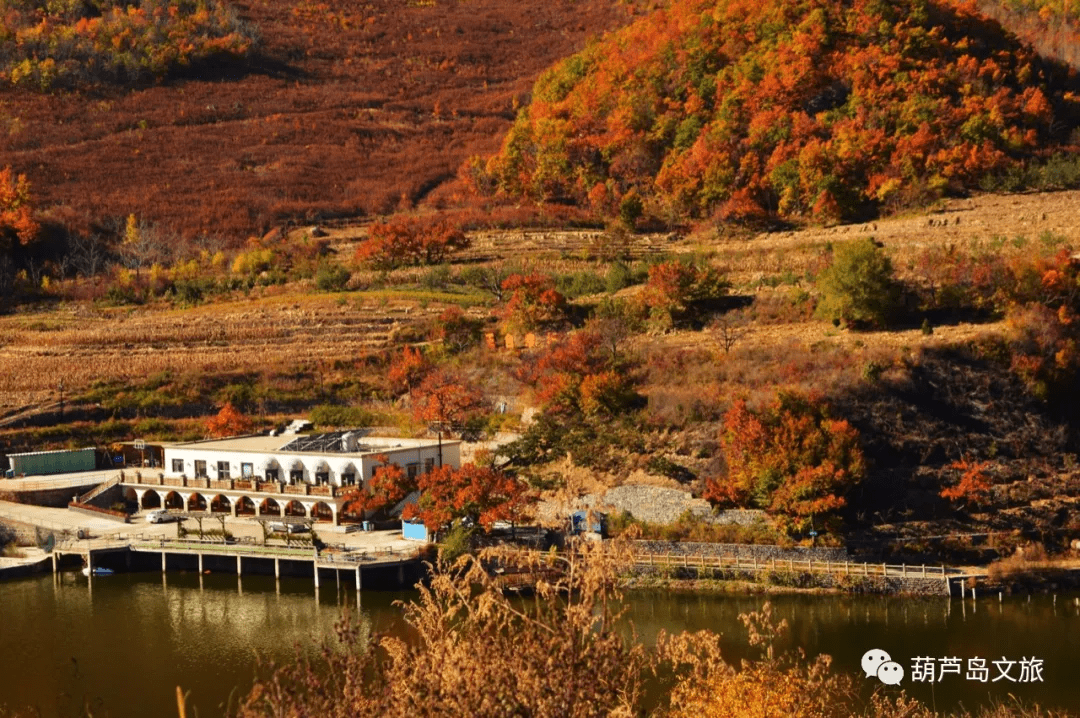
739	563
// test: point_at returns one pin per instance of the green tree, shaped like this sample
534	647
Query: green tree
858	287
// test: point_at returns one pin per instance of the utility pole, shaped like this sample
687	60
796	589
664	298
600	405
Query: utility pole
61	387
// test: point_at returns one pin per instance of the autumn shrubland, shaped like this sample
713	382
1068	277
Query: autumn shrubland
777	111
76	45
596	285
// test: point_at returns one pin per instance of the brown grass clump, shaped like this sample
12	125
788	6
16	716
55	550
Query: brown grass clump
476	652
1025	561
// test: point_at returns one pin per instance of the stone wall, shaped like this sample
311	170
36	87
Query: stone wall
648	576
761	552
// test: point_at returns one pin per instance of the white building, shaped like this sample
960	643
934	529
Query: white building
338	459
308	476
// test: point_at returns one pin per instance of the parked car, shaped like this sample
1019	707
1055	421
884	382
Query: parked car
282	527
160	516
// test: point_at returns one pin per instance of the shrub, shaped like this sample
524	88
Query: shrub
579	284
858	287
331	277
406	241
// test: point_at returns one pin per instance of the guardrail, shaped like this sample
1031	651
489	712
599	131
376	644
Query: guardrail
98	490
47	484
847	568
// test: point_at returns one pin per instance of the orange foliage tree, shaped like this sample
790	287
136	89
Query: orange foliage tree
674	287
388	485
229	422
445	401
973	486
482	494
17	224
456	331
409	240
791	459
578	375
407	369
533	301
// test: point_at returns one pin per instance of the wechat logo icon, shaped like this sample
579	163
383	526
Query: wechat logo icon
878	663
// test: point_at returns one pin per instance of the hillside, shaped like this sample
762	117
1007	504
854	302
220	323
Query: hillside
784	109
344	108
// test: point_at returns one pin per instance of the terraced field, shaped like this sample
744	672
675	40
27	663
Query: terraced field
81	345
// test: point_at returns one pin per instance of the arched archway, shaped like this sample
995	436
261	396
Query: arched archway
270	508
220	504
151	500
245	506
322	512
196	502
130	495
174	500
295	508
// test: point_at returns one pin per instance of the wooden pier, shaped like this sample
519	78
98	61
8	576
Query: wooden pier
354	562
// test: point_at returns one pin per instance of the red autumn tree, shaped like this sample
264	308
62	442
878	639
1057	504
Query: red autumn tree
229	422
533	301
388	486
407	369
973	486
482	494
410	240
445	401
456	331
791	459
17	224
674	287
579	375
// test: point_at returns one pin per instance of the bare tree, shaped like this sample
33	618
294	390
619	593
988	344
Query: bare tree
729	329
488	278
88	254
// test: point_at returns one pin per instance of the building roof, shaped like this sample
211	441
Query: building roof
332	443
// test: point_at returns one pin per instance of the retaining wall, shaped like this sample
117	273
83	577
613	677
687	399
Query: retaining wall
26	569
908	585
761	552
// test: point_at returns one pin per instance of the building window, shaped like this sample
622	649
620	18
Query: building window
348	479
412	470
178	466
271	475
247	471
296	476
223	469
322	477
429	464
200	469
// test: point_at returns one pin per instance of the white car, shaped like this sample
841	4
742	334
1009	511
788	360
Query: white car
160	517
282	527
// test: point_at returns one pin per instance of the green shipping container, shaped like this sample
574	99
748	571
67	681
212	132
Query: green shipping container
39	463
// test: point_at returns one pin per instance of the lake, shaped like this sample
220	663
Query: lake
122	645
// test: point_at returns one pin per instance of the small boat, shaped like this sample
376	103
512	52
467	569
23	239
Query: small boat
98	571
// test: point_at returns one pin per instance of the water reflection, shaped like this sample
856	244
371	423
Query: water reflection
121	644
846	627
124	642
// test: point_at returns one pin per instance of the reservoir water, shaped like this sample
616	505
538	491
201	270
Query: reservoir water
122	646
